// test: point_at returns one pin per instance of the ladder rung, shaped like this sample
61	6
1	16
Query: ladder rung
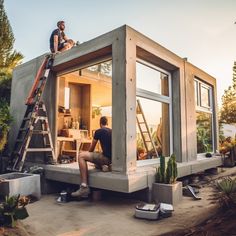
19	140
40	132
23	129
42	117
26	118
39	149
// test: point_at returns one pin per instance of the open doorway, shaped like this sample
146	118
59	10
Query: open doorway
84	96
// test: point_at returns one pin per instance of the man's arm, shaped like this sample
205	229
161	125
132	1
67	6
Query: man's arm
55	43
93	145
65	38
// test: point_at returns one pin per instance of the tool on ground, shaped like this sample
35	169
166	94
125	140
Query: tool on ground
144	130
191	192
35	121
153	211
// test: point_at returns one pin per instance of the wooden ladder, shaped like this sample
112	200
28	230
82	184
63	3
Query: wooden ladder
35	121
144	130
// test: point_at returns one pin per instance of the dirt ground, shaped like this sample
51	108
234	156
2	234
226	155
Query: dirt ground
221	224
114	215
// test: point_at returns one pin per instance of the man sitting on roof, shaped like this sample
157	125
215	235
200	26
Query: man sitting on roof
99	159
58	40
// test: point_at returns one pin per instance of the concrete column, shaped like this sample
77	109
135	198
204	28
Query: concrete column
124	103
119	147
179	115
131	101
190	115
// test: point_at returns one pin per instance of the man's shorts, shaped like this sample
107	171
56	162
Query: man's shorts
100	159
60	46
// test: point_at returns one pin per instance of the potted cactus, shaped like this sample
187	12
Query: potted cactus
166	189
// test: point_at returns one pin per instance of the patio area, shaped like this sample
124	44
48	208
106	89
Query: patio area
114	214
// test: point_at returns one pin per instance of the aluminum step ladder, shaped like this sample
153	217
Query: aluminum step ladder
144	130
35	121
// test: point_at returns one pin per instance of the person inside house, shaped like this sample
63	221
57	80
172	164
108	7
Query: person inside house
59	42
101	160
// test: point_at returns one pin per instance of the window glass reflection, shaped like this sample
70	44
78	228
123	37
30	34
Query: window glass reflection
151	80
204	132
205	101
156	115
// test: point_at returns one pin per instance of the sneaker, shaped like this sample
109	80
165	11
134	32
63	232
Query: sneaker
106	168
81	192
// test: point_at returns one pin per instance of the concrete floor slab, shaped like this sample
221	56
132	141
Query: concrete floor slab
142	178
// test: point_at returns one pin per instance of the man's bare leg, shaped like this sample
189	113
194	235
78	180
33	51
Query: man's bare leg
84	188
68	45
83	167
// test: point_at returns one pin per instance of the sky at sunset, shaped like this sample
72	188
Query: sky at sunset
201	30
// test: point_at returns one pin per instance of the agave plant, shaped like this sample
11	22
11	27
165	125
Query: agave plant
227	187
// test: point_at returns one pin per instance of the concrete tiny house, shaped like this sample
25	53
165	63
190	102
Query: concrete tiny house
106	76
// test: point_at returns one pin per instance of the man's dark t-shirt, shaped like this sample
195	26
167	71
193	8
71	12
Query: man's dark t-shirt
60	35
104	136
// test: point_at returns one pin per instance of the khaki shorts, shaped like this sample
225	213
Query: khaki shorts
99	159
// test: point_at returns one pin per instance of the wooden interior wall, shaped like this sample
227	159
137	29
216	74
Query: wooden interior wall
76	100
86	90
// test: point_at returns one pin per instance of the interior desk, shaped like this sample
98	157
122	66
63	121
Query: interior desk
79	142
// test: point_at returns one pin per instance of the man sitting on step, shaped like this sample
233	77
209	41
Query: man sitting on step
101	160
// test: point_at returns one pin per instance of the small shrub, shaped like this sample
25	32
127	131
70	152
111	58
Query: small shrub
13	209
5	120
227	187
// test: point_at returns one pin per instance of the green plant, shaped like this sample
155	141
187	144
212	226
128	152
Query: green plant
5	120
96	111
167	175
13	209
227	144
227	187
171	170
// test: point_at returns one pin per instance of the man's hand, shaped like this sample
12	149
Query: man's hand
93	145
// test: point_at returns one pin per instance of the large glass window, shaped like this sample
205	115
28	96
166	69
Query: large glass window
204	117
152	80
204	132
153	111
84	96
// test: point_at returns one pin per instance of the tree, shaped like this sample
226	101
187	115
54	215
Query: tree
228	110
8	58
103	68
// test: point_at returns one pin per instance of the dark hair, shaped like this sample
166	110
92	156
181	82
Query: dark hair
103	120
60	22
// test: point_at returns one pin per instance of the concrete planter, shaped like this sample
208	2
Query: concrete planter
167	193
20	183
